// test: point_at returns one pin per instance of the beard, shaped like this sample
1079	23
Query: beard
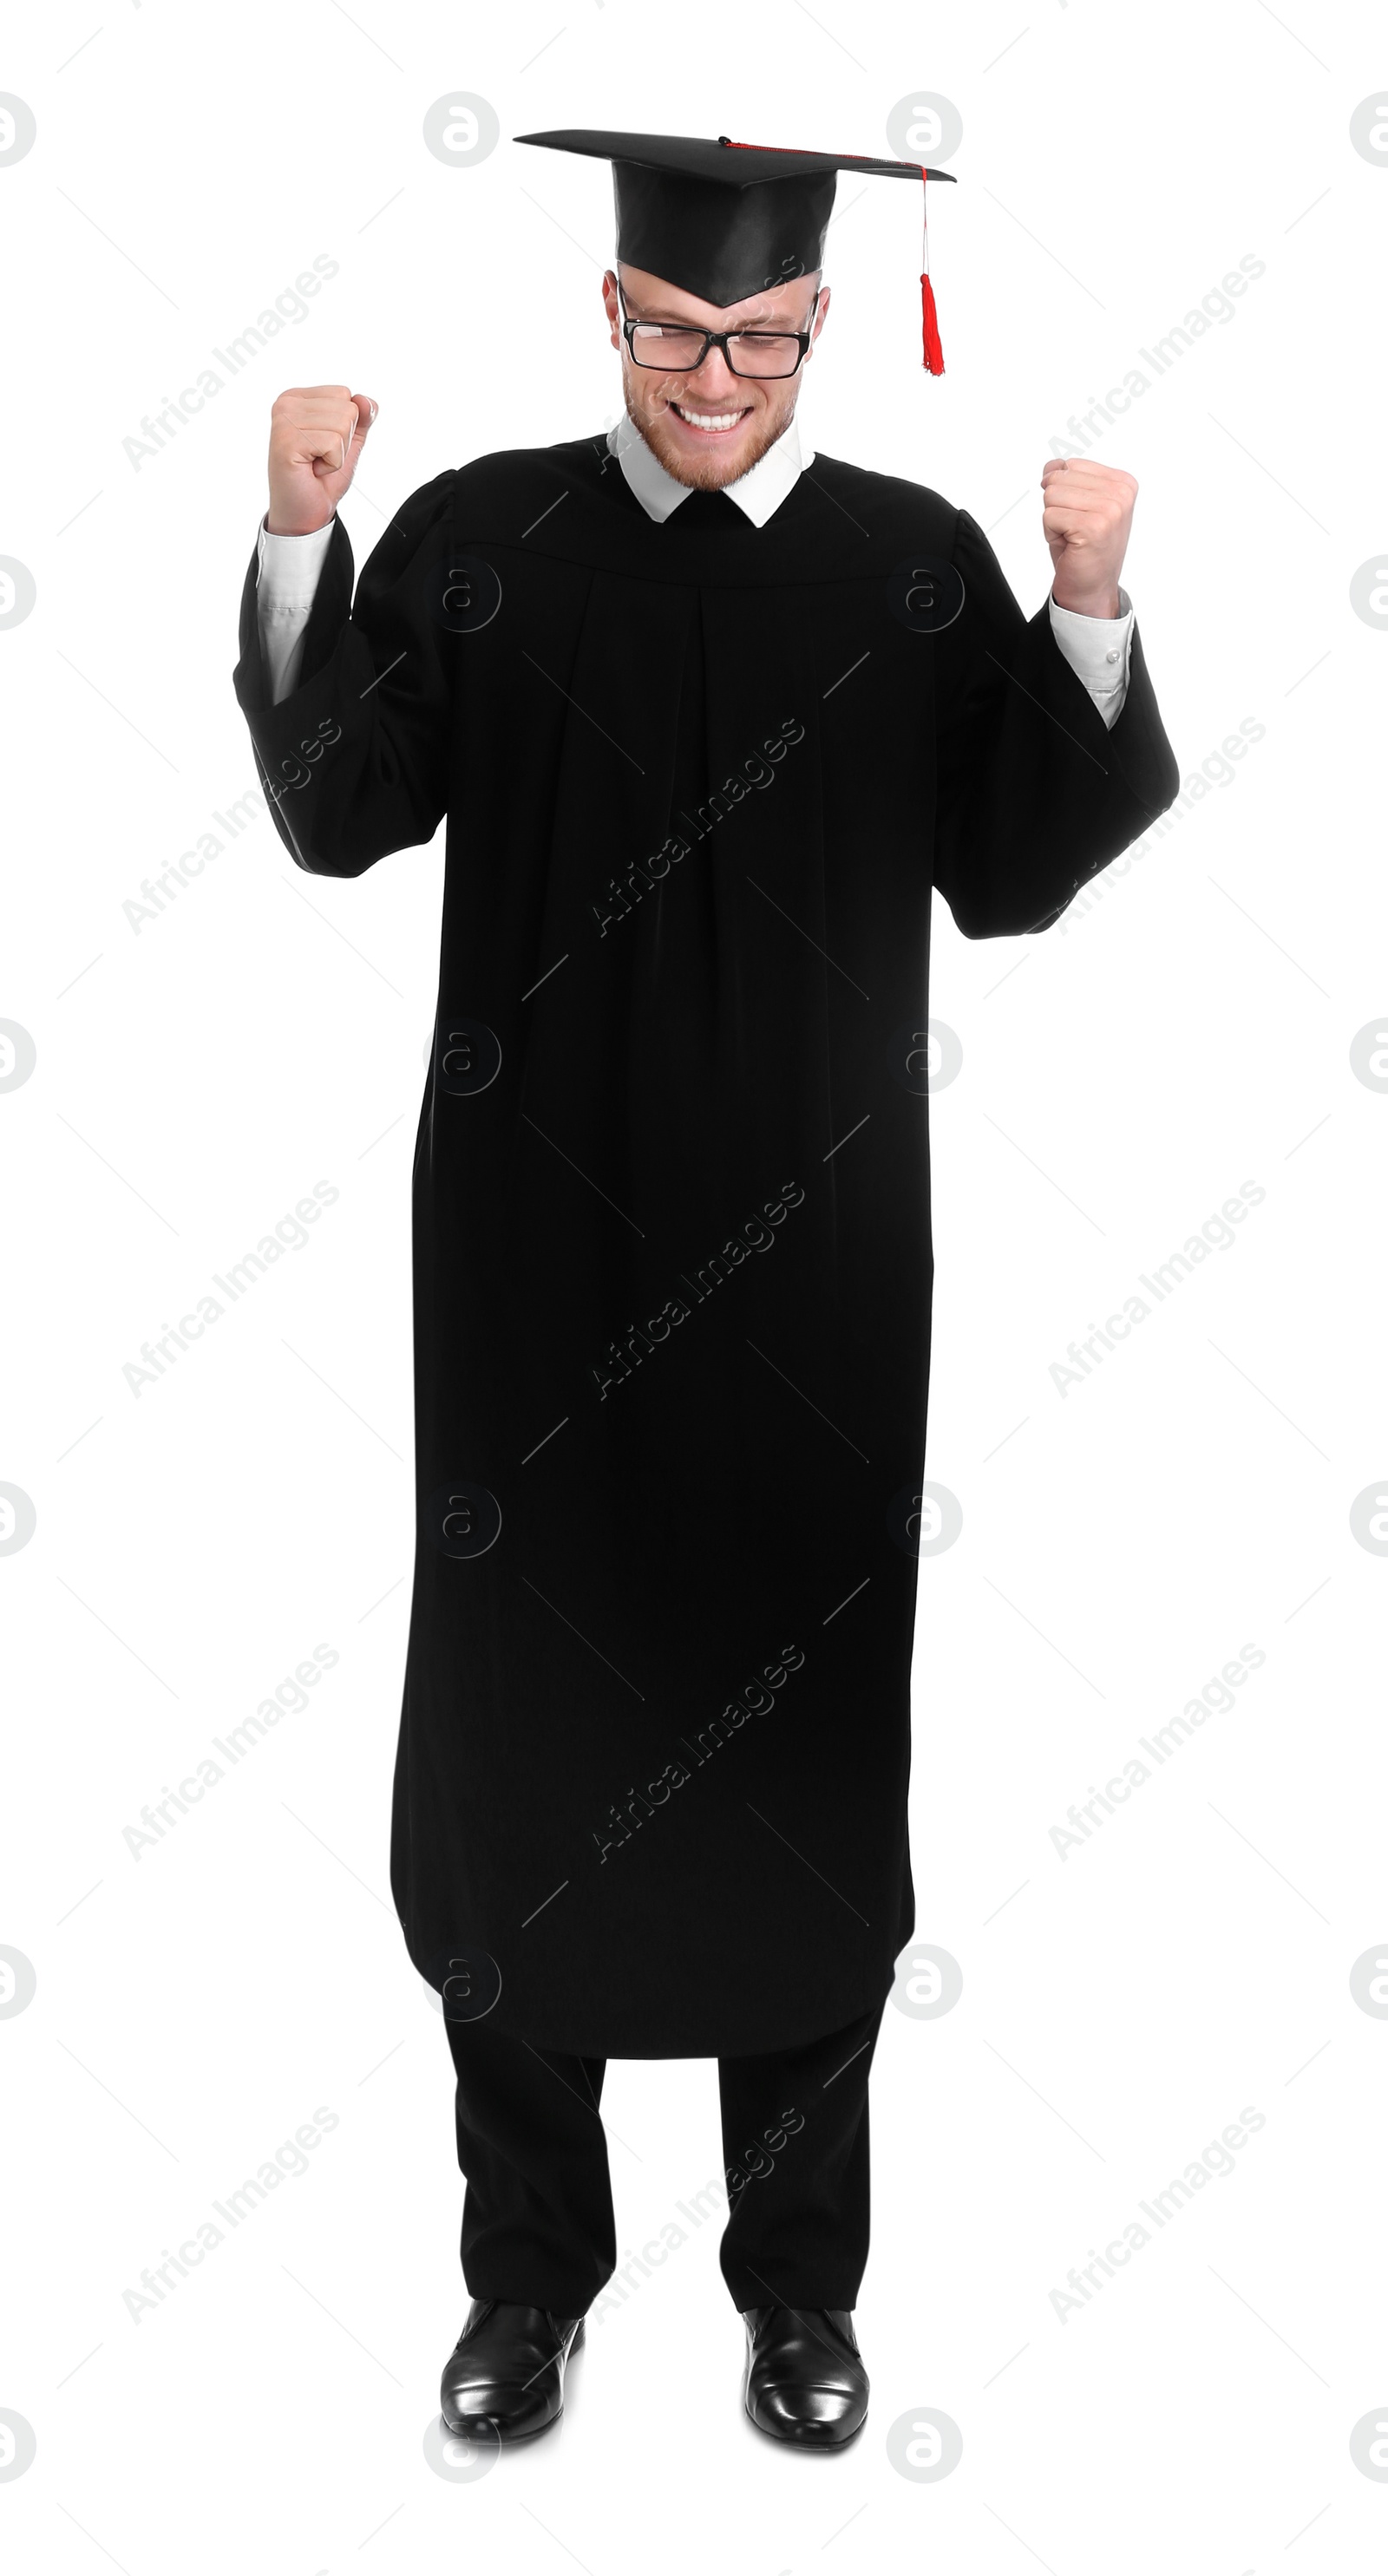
709	474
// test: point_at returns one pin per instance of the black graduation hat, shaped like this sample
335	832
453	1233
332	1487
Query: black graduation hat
724	219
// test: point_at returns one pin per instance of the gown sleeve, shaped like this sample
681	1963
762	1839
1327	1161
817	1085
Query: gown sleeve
354	762
1034	792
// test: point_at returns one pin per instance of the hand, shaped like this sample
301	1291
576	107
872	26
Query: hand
317	433
1086	518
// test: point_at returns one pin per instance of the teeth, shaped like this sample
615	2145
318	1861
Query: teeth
716	420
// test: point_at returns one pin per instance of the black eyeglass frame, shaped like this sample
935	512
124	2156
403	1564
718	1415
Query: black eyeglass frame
718	340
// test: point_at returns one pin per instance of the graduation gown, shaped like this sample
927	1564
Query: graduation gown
671	1194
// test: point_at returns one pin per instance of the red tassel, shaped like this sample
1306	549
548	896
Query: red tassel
934	357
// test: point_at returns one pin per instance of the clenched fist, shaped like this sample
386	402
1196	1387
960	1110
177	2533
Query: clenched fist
1086	519
317	433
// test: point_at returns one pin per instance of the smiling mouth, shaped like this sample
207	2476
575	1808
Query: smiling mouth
710	424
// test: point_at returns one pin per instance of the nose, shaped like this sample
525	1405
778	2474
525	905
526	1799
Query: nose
714	379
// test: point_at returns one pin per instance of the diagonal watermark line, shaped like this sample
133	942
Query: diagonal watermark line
1272	478
333	1390
848	1596
382	675
77	514
1055	720
577	1167
997	58
1305	211
848	1139
1267	934
1272	2330
337	1856
544	49
124	254
1267	1399
549	970
397	67
586	1641
346	942
823	488
589	2105
120	1640
548	1900
119	711
1016	2535
337	2321
544	514
814	1408
1291	31
366	227
829	32
1310	1132
807	1864
541	1444
848	2061
1267	1864
1045	1175
1050	254
91	2536
120	2106
120	1176
1049	2106
562	228
554	2536
848	674
813	943
1307	2061
1045	1640
87	40
72	1909
582	711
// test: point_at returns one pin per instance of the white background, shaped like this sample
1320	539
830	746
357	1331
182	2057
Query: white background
1122	1076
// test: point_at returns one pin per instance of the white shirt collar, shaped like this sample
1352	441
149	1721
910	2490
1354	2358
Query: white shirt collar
759	492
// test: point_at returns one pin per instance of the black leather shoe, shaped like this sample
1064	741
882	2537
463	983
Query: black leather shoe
505	2374
805	2379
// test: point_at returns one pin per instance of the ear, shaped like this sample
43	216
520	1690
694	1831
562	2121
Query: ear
821	309
610	304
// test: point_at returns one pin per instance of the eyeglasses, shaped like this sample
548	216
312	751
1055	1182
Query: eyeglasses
679	350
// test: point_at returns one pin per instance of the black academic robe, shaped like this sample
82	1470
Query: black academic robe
672	1249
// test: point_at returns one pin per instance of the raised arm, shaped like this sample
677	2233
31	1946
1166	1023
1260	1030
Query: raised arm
354	759
1036	792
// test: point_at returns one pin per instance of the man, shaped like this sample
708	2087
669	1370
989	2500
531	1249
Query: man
707	716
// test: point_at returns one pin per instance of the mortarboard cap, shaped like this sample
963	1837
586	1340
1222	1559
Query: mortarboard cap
724	220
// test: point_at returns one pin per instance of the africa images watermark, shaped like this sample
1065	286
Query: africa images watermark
289	1235
1214	2161
627	890
1215	1235
756	1701
1216	770
1216	1698
157	893
289	2161
753	1236
1215	308
290	306
288	1698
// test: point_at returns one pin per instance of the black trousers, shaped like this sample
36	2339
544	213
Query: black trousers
538	2222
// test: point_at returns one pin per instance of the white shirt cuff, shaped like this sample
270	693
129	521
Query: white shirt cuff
287	568
1098	650
287	574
